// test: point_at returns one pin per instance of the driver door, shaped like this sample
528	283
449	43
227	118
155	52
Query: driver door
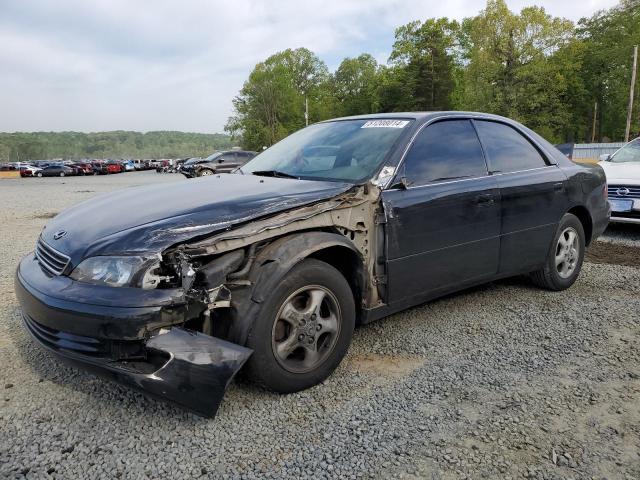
443	229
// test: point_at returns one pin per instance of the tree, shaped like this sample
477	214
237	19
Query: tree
118	144
421	76
608	37
272	101
513	67
355	83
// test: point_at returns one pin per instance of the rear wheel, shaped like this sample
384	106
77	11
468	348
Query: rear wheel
62	174
39	174
565	258
304	330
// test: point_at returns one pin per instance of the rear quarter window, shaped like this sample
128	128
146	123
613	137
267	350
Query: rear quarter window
507	149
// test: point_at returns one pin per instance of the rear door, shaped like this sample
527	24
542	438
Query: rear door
443	228
228	162
532	192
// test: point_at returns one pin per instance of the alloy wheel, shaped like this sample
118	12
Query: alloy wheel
567	252
306	329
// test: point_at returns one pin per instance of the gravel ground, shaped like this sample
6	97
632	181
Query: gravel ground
501	381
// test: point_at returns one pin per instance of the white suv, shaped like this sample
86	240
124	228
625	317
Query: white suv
623	177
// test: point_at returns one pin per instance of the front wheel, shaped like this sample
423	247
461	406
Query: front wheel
565	257
62	174
39	174
205	172
304	330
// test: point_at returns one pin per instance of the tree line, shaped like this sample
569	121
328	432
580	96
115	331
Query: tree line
118	144
543	71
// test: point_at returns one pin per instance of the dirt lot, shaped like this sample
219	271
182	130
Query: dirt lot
501	381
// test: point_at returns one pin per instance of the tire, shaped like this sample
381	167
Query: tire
62	174
566	250
39	174
303	286
205	172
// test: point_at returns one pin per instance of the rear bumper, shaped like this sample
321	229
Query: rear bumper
618	219
130	344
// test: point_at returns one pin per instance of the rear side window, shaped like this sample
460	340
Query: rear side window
507	150
444	151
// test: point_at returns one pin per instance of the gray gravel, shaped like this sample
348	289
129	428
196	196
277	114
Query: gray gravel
502	381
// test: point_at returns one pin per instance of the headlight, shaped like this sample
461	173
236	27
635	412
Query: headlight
124	271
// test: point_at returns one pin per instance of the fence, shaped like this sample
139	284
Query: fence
590	152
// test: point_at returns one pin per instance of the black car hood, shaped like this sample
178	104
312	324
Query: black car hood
151	219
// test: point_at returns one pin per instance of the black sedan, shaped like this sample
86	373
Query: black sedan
56	171
342	223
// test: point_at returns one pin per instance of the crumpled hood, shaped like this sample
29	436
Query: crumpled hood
152	218
622	173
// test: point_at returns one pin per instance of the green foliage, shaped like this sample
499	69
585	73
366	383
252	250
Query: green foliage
514	68
118	144
271	103
538	69
608	38
355	83
423	63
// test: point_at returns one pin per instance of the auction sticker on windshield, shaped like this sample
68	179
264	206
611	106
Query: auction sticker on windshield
385	124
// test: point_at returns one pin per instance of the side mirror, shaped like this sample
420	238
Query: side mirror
605	157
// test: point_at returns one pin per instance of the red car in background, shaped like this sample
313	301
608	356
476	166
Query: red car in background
85	168
113	167
105	168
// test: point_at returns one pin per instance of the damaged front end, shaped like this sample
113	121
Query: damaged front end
182	339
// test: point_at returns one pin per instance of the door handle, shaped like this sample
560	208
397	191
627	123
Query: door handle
484	199
558	187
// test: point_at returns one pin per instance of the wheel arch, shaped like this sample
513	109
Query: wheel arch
584	216
274	261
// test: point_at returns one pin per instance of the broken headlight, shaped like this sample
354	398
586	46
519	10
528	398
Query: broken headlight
119	271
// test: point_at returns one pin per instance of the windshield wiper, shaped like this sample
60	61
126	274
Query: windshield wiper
274	173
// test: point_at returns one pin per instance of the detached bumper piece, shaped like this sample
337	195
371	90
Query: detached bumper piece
188	368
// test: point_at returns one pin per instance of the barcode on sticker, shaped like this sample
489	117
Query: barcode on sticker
385	124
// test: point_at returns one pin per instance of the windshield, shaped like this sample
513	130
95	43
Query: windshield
346	150
629	153
213	156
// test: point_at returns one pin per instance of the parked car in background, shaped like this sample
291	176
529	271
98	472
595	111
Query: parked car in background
623	178
77	170
86	168
218	162
223	162
346	221
187	166
128	165
113	166
29	171
55	171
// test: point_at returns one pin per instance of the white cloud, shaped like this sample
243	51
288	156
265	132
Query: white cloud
165	65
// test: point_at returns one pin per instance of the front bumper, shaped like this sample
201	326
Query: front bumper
142	347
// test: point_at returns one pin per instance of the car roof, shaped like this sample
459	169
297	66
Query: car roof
422	115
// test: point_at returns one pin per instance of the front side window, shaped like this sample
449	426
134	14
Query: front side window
347	150
629	153
446	150
507	150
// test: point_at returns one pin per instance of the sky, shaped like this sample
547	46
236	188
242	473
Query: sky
176	65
